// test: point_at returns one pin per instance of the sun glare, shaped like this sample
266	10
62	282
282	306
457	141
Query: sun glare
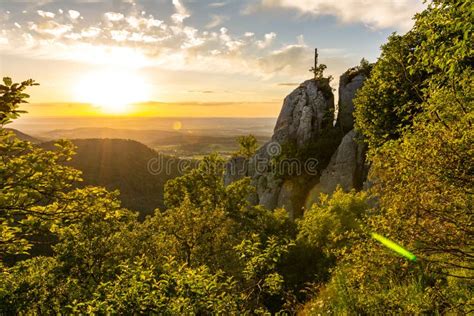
112	91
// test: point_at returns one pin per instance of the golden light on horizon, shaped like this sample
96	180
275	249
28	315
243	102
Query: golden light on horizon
113	91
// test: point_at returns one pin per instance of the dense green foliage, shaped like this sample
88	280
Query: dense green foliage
416	113
211	252
391	96
434	52
326	222
248	146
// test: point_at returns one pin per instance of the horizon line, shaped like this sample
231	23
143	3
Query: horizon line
144	117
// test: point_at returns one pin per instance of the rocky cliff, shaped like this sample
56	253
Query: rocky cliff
349	82
307	154
347	166
305	113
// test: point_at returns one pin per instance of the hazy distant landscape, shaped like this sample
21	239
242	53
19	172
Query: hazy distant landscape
114	152
182	137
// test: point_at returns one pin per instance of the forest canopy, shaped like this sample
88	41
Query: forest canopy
69	249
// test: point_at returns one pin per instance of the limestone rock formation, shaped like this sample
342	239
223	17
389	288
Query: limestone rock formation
305	113
268	188
347	166
305	126
351	81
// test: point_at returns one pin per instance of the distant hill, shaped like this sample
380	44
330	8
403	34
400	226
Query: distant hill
144	136
123	165
182	143
24	136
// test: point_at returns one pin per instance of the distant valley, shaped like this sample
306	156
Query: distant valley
116	154
183	137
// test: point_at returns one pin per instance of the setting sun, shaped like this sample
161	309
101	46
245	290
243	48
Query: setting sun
112	91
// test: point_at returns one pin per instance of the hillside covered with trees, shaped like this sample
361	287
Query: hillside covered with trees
211	251
123	165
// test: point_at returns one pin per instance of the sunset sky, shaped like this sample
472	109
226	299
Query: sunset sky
185	57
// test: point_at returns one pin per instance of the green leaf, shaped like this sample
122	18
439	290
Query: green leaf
7	81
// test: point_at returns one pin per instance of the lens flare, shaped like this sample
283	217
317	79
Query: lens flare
394	246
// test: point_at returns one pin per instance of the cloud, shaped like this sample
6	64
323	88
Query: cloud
73	14
119	35
139	22
113	16
46	14
51	27
290	58
375	14
217	4
267	41
90	32
201	91
288	84
216	20
133	39
181	12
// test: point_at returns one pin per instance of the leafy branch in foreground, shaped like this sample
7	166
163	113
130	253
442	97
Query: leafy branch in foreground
11	96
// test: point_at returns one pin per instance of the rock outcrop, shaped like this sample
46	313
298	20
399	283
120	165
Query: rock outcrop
347	166
351	81
305	130
305	113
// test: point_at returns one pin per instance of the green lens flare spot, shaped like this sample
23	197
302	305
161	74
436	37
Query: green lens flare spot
394	246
